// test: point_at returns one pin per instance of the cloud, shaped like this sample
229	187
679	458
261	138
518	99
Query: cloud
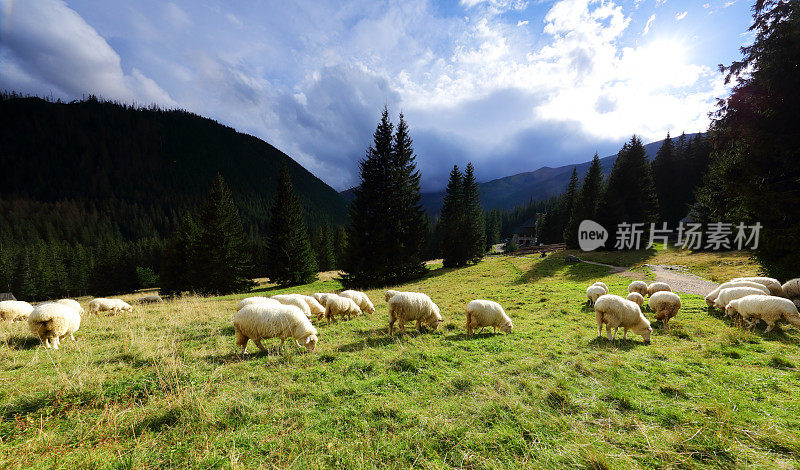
681	16
649	23
522	23
727	4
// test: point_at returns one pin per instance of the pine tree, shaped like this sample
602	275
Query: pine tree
292	261
451	221
323	248
493	227
668	178
570	199
474	230
629	194
585	201
179	266
339	245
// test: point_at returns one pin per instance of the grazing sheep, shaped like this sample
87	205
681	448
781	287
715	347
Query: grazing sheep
314	306
15	310
637	298
601	284
617	312
638	286
322	298
51	322
71	303
287	299
255	300
390	294
770	283
101	304
768	308
732	293
265	320
409	306
483	313
593	292
665	305
712	296
658	287
791	289
361	299
150	299
342	306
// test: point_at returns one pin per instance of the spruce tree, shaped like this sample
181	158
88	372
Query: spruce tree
292	261
451	221
339	245
323	249
668	177
474	230
179	264
585	201
570	199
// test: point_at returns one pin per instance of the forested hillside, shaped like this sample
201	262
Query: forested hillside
92	183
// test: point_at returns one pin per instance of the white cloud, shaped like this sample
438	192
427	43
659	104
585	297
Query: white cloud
727	4
522	23
649	23
234	20
706	6
176	17
681	16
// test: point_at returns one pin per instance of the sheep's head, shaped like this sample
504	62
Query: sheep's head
370	310
310	342
644	330
390	294
730	309
507	327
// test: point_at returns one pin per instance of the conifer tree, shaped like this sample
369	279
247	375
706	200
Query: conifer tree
585	201
493	227
291	258
570	199
179	265
339	245
474	230
323	249
451	221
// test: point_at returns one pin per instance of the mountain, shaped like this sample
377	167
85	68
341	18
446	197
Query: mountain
511	191
143	168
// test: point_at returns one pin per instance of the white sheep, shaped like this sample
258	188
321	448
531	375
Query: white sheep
637	298
410	306
150	299
791	289
658	287
593	292
255	300
638	286
390	293
287	299
615	312
71	303
51	322
101	304
603	285
712	296
732	293
361	299
316	308
665	305
341	306
266	320
770	283
483	313
15	310
768	308
322	298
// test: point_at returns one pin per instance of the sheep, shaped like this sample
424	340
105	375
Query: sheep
603	285
639	287
314	306
409	306
390	294
637	298
286	299
791	289
342	306
15	310
665	305
150	299
72	303
322	298
255	300
658	287
617	312
51	322
770	283
768	308
483	313
101	304
732	293
712	296
361	299
593	292
265	320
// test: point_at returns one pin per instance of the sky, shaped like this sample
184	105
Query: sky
511	85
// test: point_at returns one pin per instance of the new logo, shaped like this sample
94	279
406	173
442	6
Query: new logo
591	235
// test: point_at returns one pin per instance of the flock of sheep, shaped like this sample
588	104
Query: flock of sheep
289	315
752	298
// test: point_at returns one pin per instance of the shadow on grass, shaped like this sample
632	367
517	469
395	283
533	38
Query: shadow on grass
21	343
601	342
475	336
234	357
369	342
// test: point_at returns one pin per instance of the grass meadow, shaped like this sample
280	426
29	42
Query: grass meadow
162	387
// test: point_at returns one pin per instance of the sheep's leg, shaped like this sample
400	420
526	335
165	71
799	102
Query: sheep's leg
770	326
391	324
616	330
258	343
55	342
402	326
72	336
283	346
244	346
608	332
419	325
624	334
46	342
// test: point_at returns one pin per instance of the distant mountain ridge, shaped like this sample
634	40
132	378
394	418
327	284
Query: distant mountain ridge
515	190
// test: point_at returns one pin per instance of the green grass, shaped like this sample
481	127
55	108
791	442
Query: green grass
163	387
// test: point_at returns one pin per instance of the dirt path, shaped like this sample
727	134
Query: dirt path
673	275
